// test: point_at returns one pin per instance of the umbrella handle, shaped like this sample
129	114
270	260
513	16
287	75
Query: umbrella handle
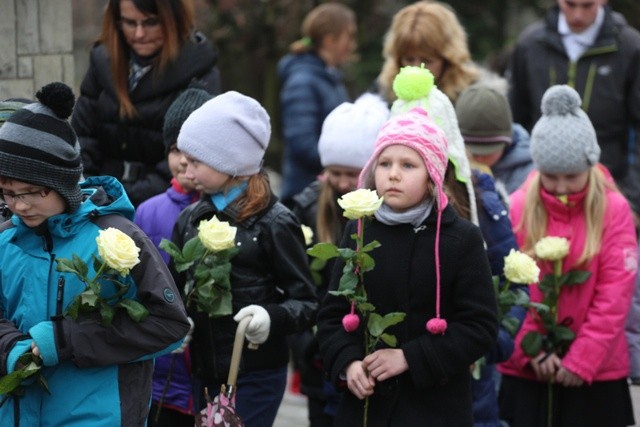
237	350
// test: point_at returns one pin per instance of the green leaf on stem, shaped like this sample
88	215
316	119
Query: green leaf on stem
106	313
172	249
365	307
323	251
531	344
65	265
349	279
575	277
135	310
370	246
193	249
365	261
389	340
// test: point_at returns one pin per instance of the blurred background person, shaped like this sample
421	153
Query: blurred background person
311	87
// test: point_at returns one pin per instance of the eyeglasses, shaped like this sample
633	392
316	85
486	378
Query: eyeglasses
30	198
151	23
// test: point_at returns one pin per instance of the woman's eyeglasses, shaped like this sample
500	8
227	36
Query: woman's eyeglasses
151	23
29	198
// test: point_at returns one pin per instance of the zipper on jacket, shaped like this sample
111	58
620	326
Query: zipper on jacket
552	76
57	318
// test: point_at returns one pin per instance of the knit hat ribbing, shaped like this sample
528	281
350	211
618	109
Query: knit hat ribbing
415	129
230	133
39	146
350	130
563	141
484	117
185	104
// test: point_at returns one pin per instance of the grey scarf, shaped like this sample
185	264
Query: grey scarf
414	216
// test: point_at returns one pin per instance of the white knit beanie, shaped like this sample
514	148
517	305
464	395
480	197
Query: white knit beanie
350	130
229	133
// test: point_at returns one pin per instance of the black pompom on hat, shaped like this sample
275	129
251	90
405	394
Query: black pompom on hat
39	146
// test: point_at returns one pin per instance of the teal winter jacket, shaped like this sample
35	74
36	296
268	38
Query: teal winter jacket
97	375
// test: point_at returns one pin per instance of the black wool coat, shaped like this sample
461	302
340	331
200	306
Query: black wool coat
435	391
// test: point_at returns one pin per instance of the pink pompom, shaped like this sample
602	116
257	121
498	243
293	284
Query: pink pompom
435	326
350	322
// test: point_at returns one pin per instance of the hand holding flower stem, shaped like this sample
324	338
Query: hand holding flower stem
358	205
557	337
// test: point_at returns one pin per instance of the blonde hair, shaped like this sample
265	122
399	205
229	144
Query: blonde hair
328	221
534	218
432	27
323	20
177	23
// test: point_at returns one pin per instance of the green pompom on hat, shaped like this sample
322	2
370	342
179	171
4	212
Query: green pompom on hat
413	83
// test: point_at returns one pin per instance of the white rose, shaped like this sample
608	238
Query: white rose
117	250
216	235
360	203
308	234
552	248
520	268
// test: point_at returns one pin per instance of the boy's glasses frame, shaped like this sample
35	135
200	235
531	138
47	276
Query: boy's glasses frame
151	23
29	198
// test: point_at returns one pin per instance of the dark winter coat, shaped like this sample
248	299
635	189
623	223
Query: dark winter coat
607	77
435	390
271	270
499	238
107	140
310	91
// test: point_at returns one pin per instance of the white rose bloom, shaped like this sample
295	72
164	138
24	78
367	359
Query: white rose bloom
216	235
117	250
520	268
552	248
360	203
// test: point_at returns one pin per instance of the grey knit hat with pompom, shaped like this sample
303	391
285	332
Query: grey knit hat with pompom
563	141
39	146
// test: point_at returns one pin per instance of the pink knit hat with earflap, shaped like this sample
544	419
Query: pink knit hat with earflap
416	130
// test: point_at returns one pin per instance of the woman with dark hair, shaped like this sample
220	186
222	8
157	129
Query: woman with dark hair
147	54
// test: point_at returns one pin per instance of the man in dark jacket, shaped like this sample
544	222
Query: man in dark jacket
586	45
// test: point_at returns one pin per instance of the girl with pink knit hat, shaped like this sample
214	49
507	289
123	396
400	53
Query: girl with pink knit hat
431	265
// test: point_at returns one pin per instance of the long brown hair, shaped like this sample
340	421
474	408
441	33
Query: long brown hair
328	217
177	22
256	197
432	27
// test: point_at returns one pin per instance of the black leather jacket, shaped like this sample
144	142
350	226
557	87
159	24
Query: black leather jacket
270	270
132	150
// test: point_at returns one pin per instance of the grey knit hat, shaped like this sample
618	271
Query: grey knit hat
185	104
229	133
563	141
484	117
39	146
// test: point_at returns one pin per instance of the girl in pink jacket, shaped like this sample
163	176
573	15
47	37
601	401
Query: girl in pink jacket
571	196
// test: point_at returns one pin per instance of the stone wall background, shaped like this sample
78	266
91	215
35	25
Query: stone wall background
36	45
